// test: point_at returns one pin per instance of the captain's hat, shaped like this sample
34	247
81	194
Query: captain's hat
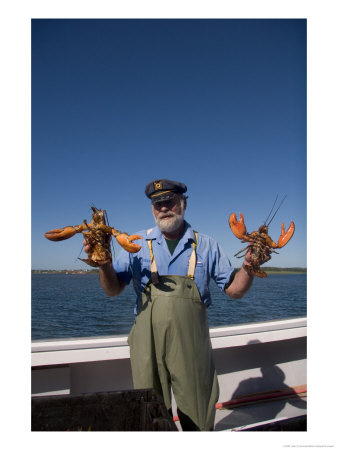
160	190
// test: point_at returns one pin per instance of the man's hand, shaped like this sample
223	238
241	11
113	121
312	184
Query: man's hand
88	248
110	283
263	257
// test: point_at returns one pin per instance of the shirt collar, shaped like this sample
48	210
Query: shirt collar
155	233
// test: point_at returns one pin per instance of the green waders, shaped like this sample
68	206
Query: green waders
170	347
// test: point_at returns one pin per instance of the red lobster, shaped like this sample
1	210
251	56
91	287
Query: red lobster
97	234
259	241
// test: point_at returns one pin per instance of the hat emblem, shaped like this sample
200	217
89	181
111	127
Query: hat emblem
157	185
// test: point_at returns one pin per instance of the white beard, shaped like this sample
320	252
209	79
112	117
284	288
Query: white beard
169	221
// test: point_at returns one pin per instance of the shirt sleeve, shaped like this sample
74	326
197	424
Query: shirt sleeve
222	271
122	266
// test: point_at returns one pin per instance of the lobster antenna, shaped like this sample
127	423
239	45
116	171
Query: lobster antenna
106	217
277	209
271	210
112	242
112	245
79	254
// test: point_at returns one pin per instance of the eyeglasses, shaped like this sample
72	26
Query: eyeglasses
169	204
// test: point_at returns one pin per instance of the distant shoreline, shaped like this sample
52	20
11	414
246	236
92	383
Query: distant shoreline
284	269
269	270
66	272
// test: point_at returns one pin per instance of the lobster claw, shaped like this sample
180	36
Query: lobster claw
122	238
237	227
126	242
285	236
60	234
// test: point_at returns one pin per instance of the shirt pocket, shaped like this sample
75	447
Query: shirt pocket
200	269
202	278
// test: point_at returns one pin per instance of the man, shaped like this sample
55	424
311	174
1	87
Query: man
169	343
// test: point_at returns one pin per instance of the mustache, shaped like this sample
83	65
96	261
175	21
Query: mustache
166	214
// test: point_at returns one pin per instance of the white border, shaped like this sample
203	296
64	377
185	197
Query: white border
322	223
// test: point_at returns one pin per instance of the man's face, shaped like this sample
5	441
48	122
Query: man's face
169	214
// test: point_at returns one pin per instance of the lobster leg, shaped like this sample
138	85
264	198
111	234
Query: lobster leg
123	239
241	251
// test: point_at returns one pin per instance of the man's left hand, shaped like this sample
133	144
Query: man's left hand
264	257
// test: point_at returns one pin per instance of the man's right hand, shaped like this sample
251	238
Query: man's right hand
86	247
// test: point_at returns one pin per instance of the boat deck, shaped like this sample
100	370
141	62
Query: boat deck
264	360
259	413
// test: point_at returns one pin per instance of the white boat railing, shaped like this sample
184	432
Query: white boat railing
86	349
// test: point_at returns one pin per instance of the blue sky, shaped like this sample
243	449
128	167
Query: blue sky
217	104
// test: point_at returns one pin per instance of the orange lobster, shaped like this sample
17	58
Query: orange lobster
97	233
259	242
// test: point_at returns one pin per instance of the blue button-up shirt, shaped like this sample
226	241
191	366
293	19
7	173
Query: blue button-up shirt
212	262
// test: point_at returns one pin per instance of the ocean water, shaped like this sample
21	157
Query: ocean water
76	306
